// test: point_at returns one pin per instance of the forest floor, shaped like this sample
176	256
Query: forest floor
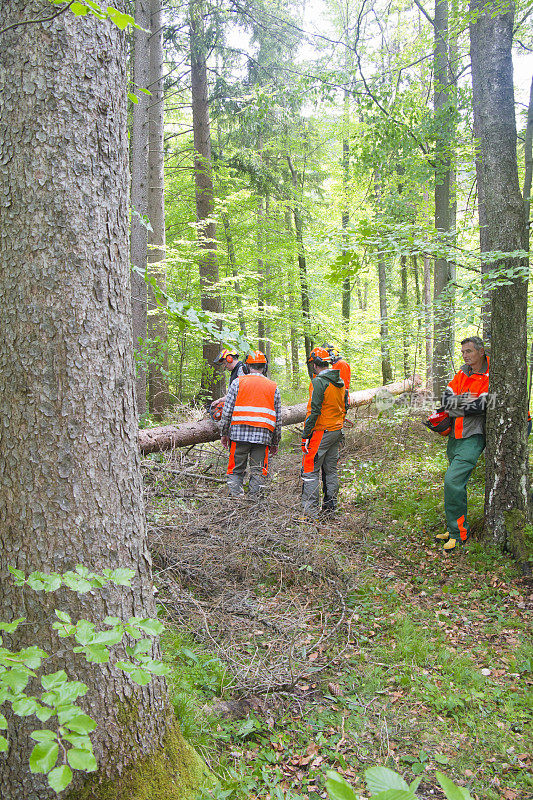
298	647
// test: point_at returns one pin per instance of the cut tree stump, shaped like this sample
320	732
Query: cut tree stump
153	440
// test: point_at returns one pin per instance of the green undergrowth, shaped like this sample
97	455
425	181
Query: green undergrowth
437	672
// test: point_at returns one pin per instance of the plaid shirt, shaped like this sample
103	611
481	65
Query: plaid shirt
249	433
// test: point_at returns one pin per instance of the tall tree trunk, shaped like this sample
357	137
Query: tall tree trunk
261	340
69	465
404	308
386	367
295	363
139	192
213	385
158	391
528	156
443	272
428	323
506	495
302	265
345	219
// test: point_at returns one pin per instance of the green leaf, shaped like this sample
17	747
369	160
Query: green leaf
76	583
113	636
395	794
452	791
9	627
44	714
43	756
441	759
190	655
151	626
44	736
140	676
78	9
338	788
121	577
84	632
80	742
20	577
379	779
3	723
54	679
81	759
4	744
15	679
133	98
25	706
32	656
41	582
94	653
60	777
62	615
81	724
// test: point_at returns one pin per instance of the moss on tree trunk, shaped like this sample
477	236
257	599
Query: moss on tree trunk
174	771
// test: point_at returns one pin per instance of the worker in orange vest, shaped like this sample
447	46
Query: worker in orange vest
251	425
465	400
322	433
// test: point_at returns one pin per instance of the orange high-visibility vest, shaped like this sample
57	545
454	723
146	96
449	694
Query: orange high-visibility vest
254	404
333	411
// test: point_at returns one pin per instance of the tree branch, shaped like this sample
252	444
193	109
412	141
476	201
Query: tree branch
425	13
37	21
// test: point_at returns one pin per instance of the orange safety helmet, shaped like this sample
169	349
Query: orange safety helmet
319	356
225	355
255	359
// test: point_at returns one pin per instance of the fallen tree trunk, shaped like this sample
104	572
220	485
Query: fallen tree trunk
167	437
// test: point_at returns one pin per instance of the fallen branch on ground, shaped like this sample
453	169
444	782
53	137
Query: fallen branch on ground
167	437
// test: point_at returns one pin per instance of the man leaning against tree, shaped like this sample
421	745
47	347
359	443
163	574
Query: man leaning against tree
465	400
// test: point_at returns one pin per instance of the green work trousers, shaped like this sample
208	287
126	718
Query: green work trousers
323	454
462	455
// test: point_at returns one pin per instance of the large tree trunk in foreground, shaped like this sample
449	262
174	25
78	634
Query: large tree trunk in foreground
69	473
155	439
213	384
139	191
506	496
158	389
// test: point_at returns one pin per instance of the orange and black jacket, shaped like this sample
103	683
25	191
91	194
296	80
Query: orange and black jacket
326	408
468	415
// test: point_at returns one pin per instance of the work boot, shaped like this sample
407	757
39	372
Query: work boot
452	543
443	537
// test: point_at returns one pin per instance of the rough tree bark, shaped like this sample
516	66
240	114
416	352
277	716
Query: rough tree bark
158	390
69	472
528	155
506	495
443	270
153	440
213	385
139	190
